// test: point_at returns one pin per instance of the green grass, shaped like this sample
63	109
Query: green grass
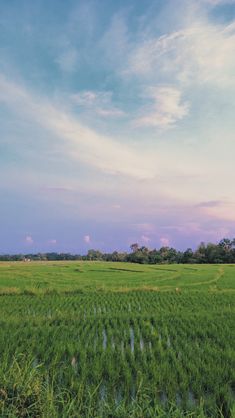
43	277
92	339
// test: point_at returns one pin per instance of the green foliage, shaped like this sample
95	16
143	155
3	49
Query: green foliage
223	252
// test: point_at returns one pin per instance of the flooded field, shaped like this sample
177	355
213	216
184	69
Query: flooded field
98	353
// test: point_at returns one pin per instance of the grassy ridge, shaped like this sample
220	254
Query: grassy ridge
102	351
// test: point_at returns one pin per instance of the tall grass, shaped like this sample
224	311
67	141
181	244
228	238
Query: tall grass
26	391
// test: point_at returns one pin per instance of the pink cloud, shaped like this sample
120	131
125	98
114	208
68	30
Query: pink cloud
145	239
52	241
29	239
224	212
165	242
87	239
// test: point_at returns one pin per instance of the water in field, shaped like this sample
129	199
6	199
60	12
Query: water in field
141	343
191	398
132	339
163	398
104	339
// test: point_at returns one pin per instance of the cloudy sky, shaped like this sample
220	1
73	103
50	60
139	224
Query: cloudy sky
117	123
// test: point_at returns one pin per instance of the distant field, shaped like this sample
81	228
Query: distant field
106	340
42	277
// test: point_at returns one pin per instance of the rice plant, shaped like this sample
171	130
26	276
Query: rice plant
117	354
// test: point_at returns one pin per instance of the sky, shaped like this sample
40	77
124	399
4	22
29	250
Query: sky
116	124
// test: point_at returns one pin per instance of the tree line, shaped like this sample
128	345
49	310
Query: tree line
222	252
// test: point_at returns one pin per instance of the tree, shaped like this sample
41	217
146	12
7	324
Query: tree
134	247
94	255
188	256
200	254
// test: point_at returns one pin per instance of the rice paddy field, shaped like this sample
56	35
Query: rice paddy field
93	339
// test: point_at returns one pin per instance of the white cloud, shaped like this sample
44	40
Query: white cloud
167	108
202	52
98	102
218	2
87	239
29	239
111	112
115	42
80	142
88	98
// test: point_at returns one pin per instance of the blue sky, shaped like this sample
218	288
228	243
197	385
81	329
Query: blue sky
116	123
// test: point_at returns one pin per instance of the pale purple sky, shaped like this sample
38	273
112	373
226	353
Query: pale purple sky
116	124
